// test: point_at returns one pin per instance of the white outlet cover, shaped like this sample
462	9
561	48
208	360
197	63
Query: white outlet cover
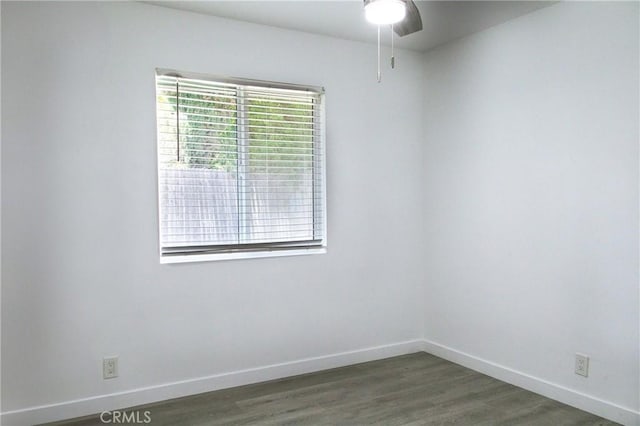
110	367
582	365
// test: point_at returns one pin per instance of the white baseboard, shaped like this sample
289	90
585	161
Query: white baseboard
588	403
114	401
97	404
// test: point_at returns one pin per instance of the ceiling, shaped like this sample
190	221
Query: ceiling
443	21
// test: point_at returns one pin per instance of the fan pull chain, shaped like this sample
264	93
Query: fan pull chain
379	74
393	58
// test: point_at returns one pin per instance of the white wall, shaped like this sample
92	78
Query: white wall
0	211
81	276
531	199
522	251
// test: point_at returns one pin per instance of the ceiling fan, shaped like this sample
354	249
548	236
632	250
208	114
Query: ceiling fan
402	15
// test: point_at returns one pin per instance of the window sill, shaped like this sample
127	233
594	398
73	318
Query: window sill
188	258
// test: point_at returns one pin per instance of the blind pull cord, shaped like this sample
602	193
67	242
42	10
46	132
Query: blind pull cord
177	121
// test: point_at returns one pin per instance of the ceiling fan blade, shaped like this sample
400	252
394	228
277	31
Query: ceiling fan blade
411	23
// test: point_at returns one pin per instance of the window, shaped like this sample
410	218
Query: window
240	167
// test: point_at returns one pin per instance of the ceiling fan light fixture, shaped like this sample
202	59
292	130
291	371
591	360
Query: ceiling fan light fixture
385	12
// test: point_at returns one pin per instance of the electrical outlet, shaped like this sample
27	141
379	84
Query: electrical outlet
582	365
110	367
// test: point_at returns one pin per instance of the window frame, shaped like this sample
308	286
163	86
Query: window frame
213	252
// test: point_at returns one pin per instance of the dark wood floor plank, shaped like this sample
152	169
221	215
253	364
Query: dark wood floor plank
415	389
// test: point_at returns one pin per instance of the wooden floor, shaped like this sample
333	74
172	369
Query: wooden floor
416	389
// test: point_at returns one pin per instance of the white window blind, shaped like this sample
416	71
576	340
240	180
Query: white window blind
240	165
